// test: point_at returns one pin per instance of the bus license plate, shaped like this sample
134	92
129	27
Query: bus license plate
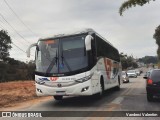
60	92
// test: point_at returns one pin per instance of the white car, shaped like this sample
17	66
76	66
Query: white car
132	73
138	72
125	77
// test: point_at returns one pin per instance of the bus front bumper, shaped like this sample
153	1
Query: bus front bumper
80	89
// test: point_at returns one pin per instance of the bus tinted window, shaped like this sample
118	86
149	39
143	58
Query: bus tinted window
104	49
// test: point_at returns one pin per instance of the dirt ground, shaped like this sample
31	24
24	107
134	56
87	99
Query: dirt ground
16	92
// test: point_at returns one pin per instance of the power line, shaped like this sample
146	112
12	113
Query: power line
16	32
19	48
14	28
22	42
14	43
1	26
19	18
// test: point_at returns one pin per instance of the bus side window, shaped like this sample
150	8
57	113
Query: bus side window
94	51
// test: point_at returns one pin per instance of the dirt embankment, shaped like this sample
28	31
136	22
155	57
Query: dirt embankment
16	92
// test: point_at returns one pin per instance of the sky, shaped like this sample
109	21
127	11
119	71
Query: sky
28	20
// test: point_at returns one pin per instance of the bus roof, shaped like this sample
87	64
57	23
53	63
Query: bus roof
76	32
70	33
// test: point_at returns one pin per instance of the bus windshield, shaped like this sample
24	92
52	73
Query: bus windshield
62	55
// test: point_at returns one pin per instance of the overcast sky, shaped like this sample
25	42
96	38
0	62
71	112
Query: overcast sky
131	33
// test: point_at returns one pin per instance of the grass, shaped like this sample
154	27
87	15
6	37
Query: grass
15	92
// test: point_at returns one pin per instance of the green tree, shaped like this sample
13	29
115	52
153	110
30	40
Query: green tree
127	61
5	44
149	59
124	61
3	71
130	61
156	36
31	70
132	3
134	65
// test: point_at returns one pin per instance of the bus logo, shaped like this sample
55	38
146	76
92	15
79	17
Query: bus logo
59	85
108	67
43	79
53	78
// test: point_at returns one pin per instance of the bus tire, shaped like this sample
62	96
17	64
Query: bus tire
58	97
118	86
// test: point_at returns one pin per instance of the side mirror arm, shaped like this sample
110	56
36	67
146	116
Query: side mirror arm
88	42
29	49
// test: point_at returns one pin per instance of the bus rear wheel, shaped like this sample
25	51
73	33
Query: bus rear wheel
58	97
118	86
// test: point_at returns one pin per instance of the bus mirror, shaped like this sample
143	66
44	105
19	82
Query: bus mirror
29	48
88	42
37	48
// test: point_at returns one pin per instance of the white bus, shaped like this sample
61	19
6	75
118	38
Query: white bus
77	64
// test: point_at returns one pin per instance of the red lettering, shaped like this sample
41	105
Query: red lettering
53	78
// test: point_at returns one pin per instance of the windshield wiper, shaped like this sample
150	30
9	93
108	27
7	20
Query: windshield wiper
63	60
53	62
56	58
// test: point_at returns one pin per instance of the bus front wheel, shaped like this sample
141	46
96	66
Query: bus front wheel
118	86
101	92
58	97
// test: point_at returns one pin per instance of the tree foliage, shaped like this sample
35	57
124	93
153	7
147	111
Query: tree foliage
148	59
124	61
12	69
5	44
132	3
127	61
156	36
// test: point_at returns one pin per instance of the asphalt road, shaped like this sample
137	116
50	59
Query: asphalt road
131	97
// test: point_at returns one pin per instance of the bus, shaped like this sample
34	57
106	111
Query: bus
77	64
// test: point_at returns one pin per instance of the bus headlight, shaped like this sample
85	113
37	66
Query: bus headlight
40	82
84	78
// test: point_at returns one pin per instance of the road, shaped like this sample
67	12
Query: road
131	97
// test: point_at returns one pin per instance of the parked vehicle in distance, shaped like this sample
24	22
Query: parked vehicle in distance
147	73
153	84
138	72
132	73
125	77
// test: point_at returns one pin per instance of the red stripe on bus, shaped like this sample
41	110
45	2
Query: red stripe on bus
108	64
